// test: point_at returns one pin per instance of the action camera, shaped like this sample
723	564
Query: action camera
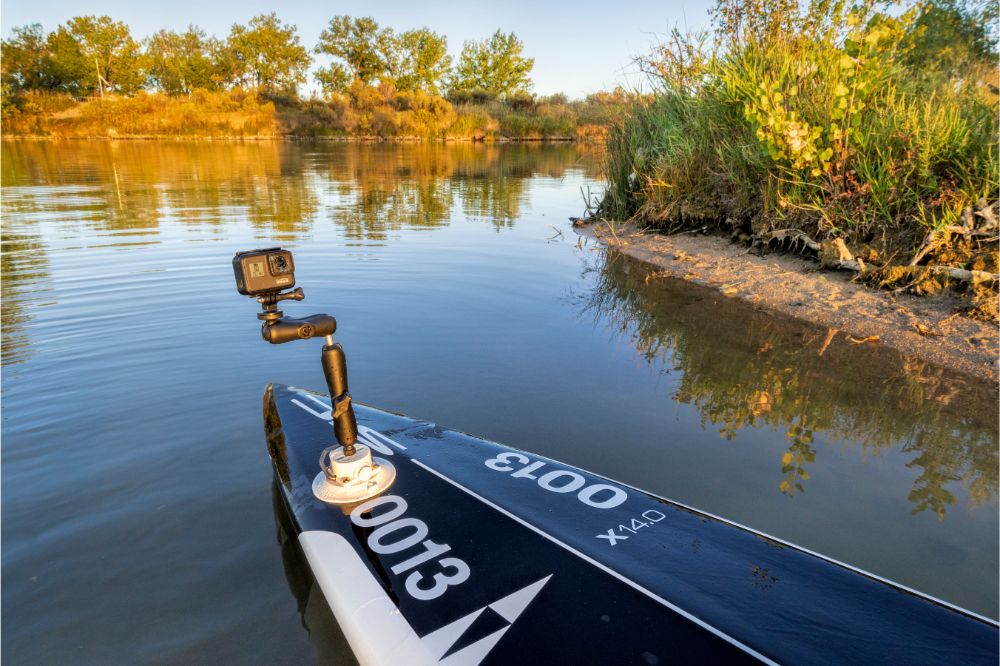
265	271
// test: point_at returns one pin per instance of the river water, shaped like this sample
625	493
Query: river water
137	516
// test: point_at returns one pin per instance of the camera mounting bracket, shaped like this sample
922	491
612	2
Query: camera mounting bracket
351	474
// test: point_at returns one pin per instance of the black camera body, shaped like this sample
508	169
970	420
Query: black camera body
266	271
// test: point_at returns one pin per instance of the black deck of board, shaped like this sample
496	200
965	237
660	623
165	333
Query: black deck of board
686	588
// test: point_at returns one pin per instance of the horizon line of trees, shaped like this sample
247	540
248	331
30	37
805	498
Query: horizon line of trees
96	55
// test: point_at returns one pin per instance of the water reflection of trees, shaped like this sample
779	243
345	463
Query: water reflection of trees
23	265
375	189
136	185
280	187
741	368
382	188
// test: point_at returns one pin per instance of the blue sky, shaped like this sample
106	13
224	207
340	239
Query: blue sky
579	47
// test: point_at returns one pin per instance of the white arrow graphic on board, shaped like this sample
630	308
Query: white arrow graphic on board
509	608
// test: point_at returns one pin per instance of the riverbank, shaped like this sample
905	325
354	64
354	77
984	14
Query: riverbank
931	328
861	136
363	113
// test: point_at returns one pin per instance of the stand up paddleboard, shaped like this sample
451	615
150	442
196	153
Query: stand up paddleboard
431	546
479	553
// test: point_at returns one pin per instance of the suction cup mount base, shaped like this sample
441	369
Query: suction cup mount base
346	479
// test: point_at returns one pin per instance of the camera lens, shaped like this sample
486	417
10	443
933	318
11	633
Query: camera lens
281	264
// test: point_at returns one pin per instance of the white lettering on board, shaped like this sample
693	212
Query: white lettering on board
597	495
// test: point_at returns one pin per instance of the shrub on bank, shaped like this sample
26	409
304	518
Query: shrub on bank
371	111
814	126
547	121
29	113
473	123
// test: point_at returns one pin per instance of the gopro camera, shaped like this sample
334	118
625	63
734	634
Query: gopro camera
266	271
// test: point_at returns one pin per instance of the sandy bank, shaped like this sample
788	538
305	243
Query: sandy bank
928	327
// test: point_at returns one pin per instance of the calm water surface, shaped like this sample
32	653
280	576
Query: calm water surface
137	516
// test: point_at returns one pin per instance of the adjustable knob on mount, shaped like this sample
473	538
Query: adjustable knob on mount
294	295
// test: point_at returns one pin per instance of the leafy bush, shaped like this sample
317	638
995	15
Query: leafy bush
475	123
469	97
29	113
423	115
814	121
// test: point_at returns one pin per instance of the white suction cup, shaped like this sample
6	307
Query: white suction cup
348	479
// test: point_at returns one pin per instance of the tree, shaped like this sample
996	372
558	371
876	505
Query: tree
366	50
24	60
494	67
179	63
333	79
90	54
423	61
266	54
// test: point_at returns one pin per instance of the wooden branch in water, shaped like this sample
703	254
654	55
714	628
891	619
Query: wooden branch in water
830	334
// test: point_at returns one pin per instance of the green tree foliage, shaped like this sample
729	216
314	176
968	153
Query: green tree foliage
90	54
386	83
423	61
334	78
494	67
24	62
366	50
179	63
264	55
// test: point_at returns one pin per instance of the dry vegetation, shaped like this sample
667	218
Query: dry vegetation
230	113
375	112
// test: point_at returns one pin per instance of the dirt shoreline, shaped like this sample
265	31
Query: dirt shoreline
923	326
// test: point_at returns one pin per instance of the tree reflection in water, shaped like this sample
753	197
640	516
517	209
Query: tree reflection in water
370	189
24	267
281	189
744	368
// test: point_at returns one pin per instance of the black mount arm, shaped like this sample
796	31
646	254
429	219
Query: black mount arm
286	329
278	329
